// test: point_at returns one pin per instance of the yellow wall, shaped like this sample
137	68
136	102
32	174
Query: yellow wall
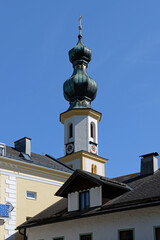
28	207
45	182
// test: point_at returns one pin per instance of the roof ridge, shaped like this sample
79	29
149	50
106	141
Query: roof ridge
126	175
63	164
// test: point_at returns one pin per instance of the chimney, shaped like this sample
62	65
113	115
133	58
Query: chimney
149	163
23	145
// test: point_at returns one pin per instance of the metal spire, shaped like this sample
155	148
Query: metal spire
80	27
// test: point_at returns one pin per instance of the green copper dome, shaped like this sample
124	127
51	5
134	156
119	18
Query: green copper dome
80	54
80	89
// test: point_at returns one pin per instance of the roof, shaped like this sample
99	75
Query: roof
145	192
37	159
81	180
149	154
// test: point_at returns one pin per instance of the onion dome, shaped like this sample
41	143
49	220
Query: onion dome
80	54
80	89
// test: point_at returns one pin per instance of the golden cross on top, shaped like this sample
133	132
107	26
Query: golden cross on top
80	26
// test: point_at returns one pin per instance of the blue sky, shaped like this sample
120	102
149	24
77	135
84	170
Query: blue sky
124	37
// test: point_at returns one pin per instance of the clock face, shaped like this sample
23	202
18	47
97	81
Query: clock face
93	149
69	148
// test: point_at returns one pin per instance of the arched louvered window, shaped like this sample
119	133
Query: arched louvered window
92	130
94	169
70	130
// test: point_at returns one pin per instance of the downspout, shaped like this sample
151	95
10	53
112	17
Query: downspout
23	234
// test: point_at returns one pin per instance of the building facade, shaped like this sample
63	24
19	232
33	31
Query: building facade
28	182
106	227
26	178
94	207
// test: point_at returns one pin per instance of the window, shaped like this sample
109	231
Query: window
70	130
2	149
94	169
58	238
92	129
157	233
31	195
84	200
126	234
86	237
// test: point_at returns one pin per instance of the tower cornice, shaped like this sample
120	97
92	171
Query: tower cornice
83	111
81	154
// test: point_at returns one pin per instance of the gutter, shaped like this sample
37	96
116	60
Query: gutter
23	234
39	168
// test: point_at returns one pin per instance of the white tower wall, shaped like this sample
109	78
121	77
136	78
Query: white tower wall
81	132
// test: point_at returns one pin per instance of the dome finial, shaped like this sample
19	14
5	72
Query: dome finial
80	28
80	90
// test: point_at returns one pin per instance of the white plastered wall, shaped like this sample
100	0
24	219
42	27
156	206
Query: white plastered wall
76	164
73	201
96	196
104	227
95	199
28	146
11	190
81	132
155	163
88	166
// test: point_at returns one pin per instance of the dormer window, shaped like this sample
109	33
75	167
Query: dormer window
2	149
84	200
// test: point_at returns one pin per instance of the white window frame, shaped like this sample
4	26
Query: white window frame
3	149
32	198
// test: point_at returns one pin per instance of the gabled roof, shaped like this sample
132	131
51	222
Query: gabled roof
37	159
81	180
145	193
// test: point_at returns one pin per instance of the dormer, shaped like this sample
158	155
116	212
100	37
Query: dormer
86	191
2	149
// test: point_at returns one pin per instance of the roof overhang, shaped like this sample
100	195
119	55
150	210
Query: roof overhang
81	180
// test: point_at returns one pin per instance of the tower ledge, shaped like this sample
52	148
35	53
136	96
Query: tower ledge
81	111
85	160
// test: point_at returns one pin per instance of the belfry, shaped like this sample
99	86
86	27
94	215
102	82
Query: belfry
80	120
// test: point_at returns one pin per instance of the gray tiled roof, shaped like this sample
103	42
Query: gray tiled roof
37	159
145	192
144	188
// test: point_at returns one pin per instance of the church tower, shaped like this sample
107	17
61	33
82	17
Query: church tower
80	120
